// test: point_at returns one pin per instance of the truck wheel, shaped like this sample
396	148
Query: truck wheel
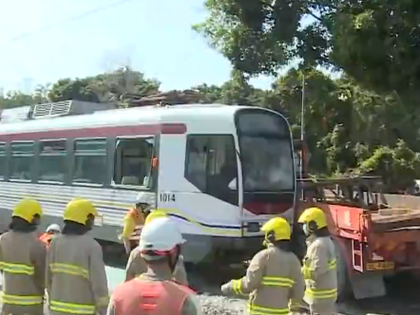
343	283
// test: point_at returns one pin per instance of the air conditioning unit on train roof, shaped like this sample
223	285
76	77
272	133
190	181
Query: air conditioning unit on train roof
68	108
13	115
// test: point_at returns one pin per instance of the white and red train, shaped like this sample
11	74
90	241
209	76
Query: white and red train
220	171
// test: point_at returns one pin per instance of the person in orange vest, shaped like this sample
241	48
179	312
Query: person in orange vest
51	231
154	292
135	216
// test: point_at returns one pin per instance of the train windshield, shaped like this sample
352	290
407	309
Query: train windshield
266	151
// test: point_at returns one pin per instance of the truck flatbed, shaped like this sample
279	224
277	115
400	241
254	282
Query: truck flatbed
387	212
395	219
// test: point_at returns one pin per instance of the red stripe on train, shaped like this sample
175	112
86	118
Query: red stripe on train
260	208
100	132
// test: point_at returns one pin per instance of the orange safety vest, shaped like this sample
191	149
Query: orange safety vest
136	216
138	297
46	238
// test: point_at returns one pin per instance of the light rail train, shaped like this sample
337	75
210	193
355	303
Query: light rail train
220	171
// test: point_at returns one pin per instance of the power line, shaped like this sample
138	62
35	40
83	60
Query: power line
68	20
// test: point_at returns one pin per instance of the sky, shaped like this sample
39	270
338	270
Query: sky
42	41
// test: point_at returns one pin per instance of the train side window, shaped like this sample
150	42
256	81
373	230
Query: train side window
3	165
90	161
52	160
133	162
211	165
22	159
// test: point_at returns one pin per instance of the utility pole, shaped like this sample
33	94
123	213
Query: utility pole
302	124
302	135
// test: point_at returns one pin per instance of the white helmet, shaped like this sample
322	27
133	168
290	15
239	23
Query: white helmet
144	198
53	228
161	234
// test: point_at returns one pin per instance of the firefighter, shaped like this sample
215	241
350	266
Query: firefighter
319	264
134	217
154	292
273	279
22	261
50	232
76	278
136	265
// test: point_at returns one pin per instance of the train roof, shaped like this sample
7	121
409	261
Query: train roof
126	116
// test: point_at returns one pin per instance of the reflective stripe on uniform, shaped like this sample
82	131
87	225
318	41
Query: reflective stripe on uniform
278	281
21	299
17	268
307	271
69	269
259	310
72	308
236	286
332	264
321	294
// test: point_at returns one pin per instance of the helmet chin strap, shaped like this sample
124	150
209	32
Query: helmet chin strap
172	261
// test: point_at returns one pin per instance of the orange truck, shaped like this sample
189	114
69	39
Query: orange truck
373	238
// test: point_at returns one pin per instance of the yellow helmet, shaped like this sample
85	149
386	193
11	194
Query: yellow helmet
153	215
78	210
27	209
314	214
278	227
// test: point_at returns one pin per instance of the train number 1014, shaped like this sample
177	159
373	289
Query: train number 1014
166	197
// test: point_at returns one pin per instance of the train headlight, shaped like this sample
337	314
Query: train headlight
253	227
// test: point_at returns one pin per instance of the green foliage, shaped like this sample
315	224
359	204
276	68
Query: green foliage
16	98
106	87
68	89
399	166
373	41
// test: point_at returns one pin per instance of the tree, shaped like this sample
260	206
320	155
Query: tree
325	111
68	89
16	98
123	85
117	86
235	91
373	41
398	166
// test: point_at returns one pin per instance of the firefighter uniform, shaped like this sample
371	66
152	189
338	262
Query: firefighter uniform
22	261
273	279
154	292
319	265
76	278
136	265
